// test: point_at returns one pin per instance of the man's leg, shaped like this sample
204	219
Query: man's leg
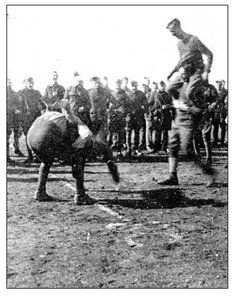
215	132
223	131
80	198
149	134
174	145
41	194
206	135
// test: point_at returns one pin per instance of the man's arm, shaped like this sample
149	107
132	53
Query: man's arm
205	51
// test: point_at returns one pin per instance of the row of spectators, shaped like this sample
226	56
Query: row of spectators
129	119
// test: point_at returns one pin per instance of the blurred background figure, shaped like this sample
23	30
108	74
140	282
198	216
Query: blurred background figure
79	99
14	113
220	114
54	93
117	116
135	119
149	117
32	107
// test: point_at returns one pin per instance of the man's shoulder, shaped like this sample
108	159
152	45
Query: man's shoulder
60	87
36	92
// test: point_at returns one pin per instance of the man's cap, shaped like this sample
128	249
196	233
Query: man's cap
162	83
174	24
118	81
218	81
146	78
134	83
125	78
155	83
223	81
95	79
105	78
28	79
76	74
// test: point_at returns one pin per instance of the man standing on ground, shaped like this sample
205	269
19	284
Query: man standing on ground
32	107
79	99
135	119
14	112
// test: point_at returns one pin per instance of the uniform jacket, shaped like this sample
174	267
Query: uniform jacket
162	109
14	104
78	97
191	50
138	104
100	100
121	104
53	95
32	103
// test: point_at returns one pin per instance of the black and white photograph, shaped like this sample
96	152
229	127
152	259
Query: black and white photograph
116	146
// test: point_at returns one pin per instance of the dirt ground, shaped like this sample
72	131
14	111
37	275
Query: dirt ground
140	236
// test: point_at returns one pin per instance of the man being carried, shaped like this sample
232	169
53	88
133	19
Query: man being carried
189	106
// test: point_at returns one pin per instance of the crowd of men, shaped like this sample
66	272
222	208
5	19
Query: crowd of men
136	120
131	120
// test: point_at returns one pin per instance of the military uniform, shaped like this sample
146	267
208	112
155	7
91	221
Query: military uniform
79	101
32	105
202	132
117	117
144	130
188	105
191	50
53	95
14	113
100	99
163	117
135	120
219	119
150	126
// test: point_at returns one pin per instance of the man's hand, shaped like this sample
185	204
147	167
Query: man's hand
170	75
205	75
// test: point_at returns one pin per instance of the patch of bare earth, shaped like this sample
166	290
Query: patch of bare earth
142	236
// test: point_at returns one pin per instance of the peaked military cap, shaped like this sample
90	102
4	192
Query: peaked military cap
134	83
175	23
28	79
95	79
118	81
162	83
76	74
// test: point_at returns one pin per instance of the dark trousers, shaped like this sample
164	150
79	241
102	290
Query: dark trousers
134	125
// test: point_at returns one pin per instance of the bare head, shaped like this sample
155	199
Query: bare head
54	76
29	82
105	81
134	85
162	86
154	86
175	28
96	83
9	83
77	78
147	81
125	81
118	84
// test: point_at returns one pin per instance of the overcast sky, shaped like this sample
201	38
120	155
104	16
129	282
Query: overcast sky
115	41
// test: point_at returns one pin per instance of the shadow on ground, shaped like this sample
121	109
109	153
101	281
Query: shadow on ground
162	198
